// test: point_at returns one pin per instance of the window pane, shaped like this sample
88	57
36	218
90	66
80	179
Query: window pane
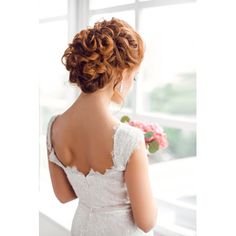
53	39
127	16
49	8
95	4
168	77
55	89
182	143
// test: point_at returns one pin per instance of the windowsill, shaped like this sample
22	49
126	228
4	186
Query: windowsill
171	181
173	185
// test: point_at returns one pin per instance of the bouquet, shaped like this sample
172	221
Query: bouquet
154	136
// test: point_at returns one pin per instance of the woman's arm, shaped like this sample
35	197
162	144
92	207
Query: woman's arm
61	186
139	189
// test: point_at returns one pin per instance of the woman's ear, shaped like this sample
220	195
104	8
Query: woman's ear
117	96
120	88
126	74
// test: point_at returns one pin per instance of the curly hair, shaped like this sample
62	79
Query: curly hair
97	54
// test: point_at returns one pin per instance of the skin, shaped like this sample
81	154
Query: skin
71	133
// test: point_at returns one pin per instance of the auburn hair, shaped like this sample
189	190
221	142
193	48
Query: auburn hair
99	53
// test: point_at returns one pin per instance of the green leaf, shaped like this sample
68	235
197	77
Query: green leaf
148	134
153	146
125	119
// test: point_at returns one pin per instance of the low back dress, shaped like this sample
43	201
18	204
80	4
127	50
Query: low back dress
104	207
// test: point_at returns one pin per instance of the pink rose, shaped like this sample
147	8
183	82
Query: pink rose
158	133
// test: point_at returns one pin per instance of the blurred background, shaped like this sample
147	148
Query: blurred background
164	93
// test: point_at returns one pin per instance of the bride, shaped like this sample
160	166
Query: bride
92	156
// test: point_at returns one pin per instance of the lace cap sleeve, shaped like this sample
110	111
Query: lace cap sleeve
134	140
126	141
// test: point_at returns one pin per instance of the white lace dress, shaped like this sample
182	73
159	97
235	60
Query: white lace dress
104	207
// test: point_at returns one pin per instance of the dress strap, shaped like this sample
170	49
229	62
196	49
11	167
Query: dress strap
48	135
52	156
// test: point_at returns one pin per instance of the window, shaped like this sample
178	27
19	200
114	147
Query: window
168	77
165	90
168	72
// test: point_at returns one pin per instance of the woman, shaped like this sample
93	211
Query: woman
92	155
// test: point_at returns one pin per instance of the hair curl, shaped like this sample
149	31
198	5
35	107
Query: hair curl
95	54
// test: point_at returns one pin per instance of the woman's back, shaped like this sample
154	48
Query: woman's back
73	143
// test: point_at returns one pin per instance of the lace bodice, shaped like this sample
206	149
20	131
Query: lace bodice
104	206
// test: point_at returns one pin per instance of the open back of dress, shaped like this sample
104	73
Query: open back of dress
104	207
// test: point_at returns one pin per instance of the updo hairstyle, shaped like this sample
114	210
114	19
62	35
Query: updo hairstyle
98	54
